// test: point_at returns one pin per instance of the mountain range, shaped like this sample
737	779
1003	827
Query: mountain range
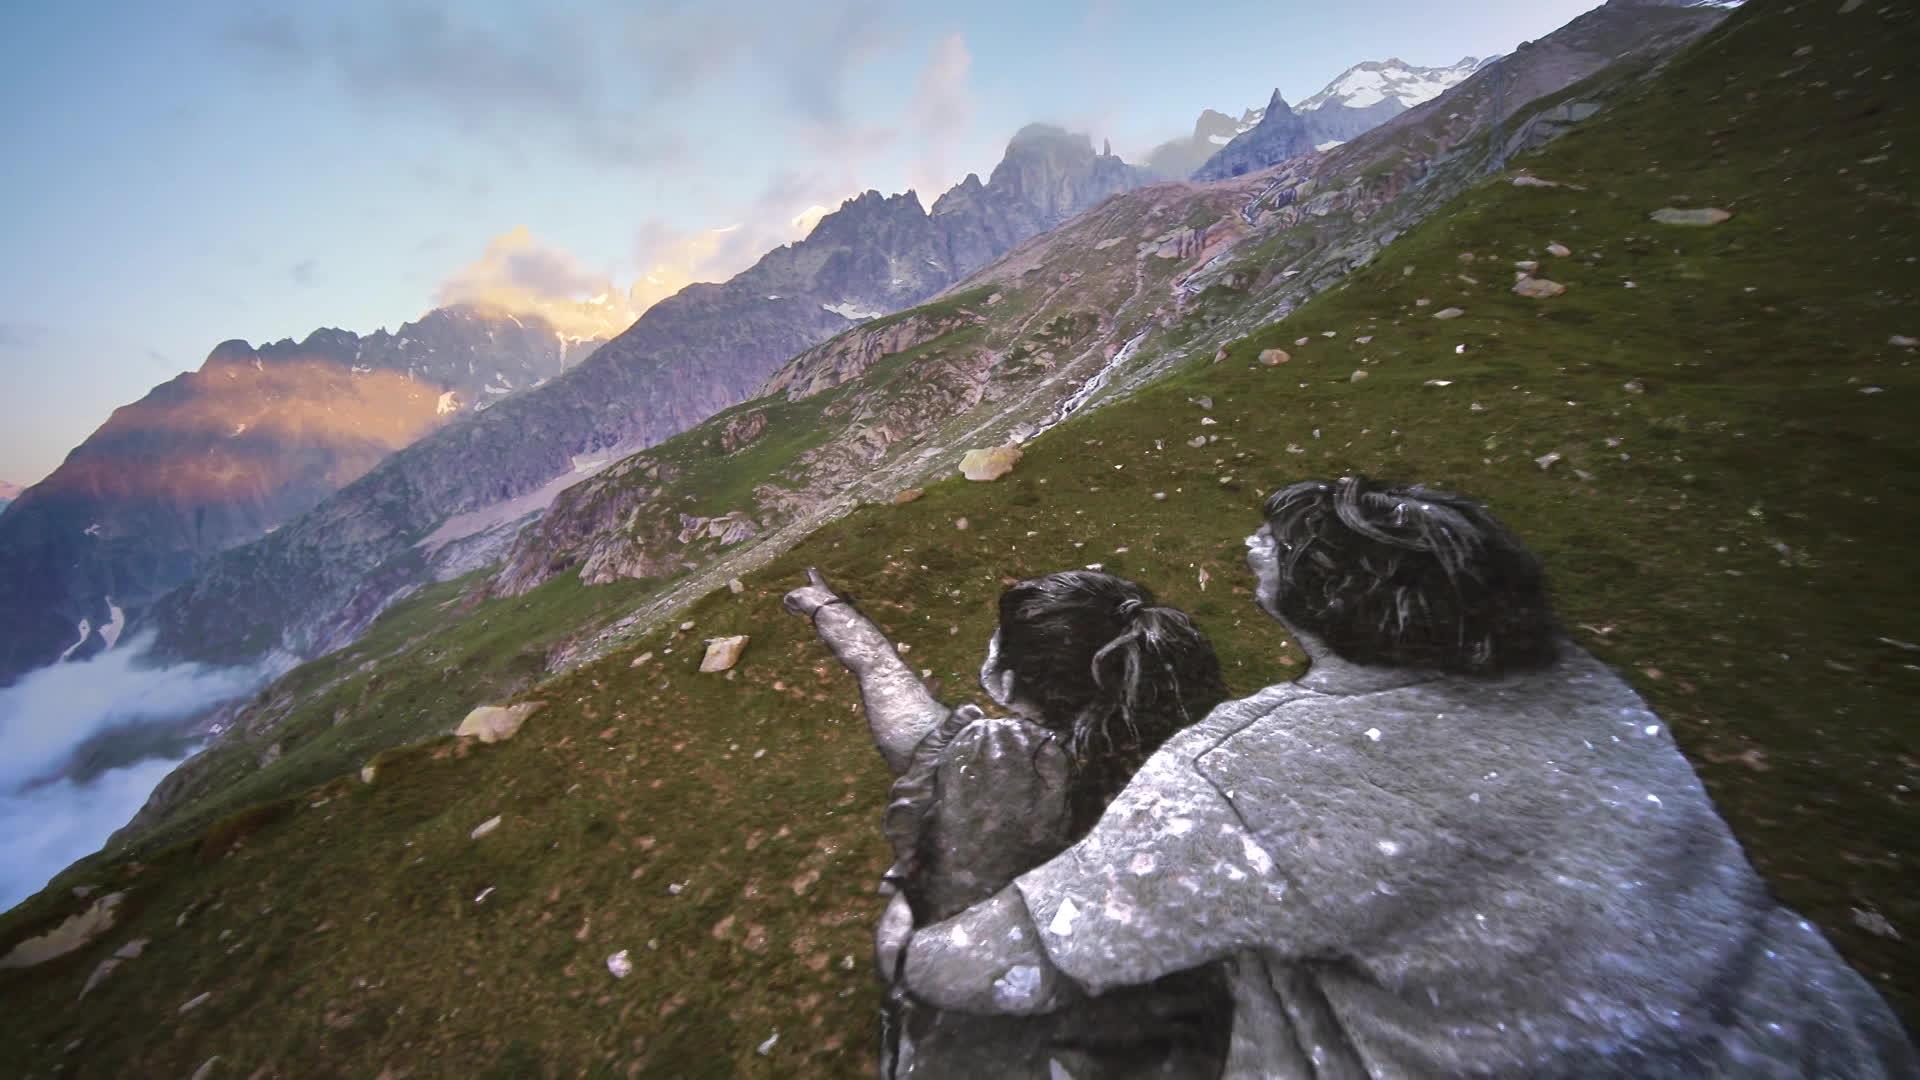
1358	99
454	500
226	454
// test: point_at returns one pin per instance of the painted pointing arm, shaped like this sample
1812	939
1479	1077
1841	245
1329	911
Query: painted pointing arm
899	709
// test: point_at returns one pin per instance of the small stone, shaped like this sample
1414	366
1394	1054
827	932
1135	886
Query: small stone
1422	302
1364	340
960	524
1204	401
1159	496
1449	313
1356	376
641	659
1208	421
1275	357
1546	460
766	1047
195	1003
1874	923
736	586
1197	441
367	773
907	495
1526	265
206	1068
485	827
1705	215
1439	382
1633	386
1301	341
1538	288
620	964
1476	407
1559	250
686	626
1902	341
492	724
991	464
1220	354
723	653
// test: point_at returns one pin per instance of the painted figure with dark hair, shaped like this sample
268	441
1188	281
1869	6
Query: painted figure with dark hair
1459	845
1095	678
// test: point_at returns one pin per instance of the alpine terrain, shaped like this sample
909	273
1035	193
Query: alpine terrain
1645	285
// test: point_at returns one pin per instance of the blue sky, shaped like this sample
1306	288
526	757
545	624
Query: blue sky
182	174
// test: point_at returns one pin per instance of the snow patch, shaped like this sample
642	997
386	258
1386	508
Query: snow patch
847	309
449	402
86	631
1329	144
238	430
116	622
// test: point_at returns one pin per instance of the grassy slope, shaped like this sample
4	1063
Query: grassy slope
352	941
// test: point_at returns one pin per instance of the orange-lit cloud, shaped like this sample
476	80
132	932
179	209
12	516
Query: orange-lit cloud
519	275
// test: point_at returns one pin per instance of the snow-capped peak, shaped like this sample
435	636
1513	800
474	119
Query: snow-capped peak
1375	81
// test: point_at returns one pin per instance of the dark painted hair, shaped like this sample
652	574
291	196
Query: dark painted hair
1409	577
1109	670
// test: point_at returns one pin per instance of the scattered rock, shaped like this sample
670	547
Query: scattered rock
1546	460
907	495
1705	215
1533	181
1364	340
1902	341
1301	341
1633	386
1422	302
1538	288
1559	250
195	1003
960	524
1357	375
620	965
1874	923
736	586
1159	496
1208	421
766	1048
641	659
1197	441
367	773
1449	313
742	430
686	626
994	299
492	724
76	931
1275	357
1439	382
1526	264
1204	401
485	827
206	1068
130	951
983	465
1220	354
723	653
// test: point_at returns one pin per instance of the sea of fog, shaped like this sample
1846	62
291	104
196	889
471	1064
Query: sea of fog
48	821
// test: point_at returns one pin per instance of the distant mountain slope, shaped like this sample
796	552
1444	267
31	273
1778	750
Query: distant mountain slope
453	500
8	493
222	455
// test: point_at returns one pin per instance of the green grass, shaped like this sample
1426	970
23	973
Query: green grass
1741	565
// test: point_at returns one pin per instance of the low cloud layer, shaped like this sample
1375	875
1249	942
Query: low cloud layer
46	716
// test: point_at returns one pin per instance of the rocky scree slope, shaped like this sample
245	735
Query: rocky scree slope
218	457
449	502
1722	508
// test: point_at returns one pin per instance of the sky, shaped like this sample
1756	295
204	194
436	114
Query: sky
179	175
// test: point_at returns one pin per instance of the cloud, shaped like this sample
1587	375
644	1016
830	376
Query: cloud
54	825
522	276
46	716
21	335
526	78
302	272
942	111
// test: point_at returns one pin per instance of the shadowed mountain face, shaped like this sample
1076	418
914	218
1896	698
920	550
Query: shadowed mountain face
222	455
454	500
